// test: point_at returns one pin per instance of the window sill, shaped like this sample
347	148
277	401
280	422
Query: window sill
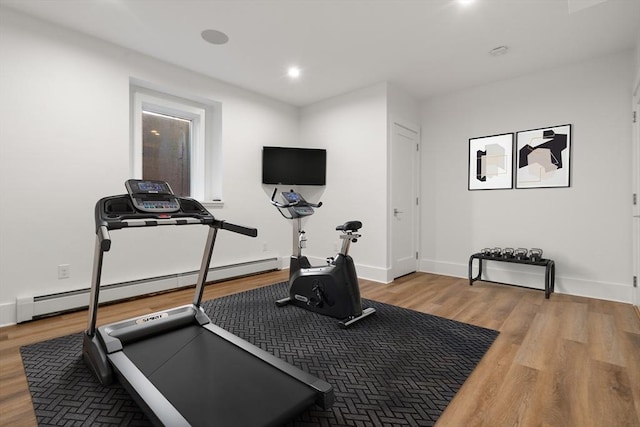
213	204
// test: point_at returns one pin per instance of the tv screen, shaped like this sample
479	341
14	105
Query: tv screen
294	166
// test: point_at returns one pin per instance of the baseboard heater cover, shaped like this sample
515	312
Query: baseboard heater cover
30	307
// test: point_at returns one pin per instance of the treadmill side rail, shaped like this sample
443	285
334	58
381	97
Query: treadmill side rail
154	403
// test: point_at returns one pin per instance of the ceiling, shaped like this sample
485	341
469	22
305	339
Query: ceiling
425	47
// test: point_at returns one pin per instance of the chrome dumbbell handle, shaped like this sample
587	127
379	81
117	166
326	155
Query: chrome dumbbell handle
535	254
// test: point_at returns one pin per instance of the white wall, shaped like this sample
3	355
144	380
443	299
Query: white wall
402	106
353	129
638	57
64	143
586	228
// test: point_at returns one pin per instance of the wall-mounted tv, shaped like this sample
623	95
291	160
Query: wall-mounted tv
294	166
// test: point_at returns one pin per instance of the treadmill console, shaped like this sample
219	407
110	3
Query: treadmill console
152	196
301	207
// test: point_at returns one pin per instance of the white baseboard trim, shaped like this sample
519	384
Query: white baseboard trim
28	307
375	274
443	268
533	277
7	314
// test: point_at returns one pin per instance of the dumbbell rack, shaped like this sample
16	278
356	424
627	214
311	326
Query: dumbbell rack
548	264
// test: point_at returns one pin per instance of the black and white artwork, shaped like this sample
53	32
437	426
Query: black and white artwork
491	162
543	157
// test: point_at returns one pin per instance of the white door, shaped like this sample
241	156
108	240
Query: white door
636	192
404	199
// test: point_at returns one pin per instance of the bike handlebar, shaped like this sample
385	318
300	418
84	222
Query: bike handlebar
278	204
290	205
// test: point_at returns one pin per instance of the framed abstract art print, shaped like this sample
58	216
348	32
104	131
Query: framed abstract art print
491	162
543	157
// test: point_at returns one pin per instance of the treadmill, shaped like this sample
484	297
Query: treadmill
181	369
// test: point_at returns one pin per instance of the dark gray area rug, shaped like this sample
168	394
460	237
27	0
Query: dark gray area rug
396	368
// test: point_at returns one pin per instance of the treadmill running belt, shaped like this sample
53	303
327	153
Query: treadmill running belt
213	382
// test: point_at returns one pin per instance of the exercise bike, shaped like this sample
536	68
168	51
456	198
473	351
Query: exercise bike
331	290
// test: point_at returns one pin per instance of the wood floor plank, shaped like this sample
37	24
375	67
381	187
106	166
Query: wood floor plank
605	342
631	344
562	362
573	321
480	392
541	335
519	384
517	324
563	390
611	395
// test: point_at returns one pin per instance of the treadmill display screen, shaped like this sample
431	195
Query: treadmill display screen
152	196
152	187
147	186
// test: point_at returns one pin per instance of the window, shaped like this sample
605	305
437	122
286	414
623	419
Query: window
176	139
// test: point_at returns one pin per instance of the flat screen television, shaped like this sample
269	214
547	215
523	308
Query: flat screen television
294	166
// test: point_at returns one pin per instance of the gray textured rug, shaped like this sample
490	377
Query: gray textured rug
396	368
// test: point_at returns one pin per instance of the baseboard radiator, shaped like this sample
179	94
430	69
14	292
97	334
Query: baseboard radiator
33	307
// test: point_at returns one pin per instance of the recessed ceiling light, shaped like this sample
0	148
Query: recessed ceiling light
465	2
214	36
294	72
498	51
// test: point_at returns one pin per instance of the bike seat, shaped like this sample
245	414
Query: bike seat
350	226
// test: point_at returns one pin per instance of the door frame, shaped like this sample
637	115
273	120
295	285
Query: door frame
413	127
635	176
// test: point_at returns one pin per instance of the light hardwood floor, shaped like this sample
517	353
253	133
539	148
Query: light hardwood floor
567	361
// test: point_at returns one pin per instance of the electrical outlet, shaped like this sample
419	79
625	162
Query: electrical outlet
64	271
265	247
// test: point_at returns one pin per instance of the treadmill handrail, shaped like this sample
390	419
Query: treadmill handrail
118	212
240	229
129	216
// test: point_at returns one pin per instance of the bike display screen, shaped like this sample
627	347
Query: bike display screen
292	197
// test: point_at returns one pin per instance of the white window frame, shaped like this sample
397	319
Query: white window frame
205	146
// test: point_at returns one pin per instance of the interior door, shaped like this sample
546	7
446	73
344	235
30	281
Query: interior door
405	142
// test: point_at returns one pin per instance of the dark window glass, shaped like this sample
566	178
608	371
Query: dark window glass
166	156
